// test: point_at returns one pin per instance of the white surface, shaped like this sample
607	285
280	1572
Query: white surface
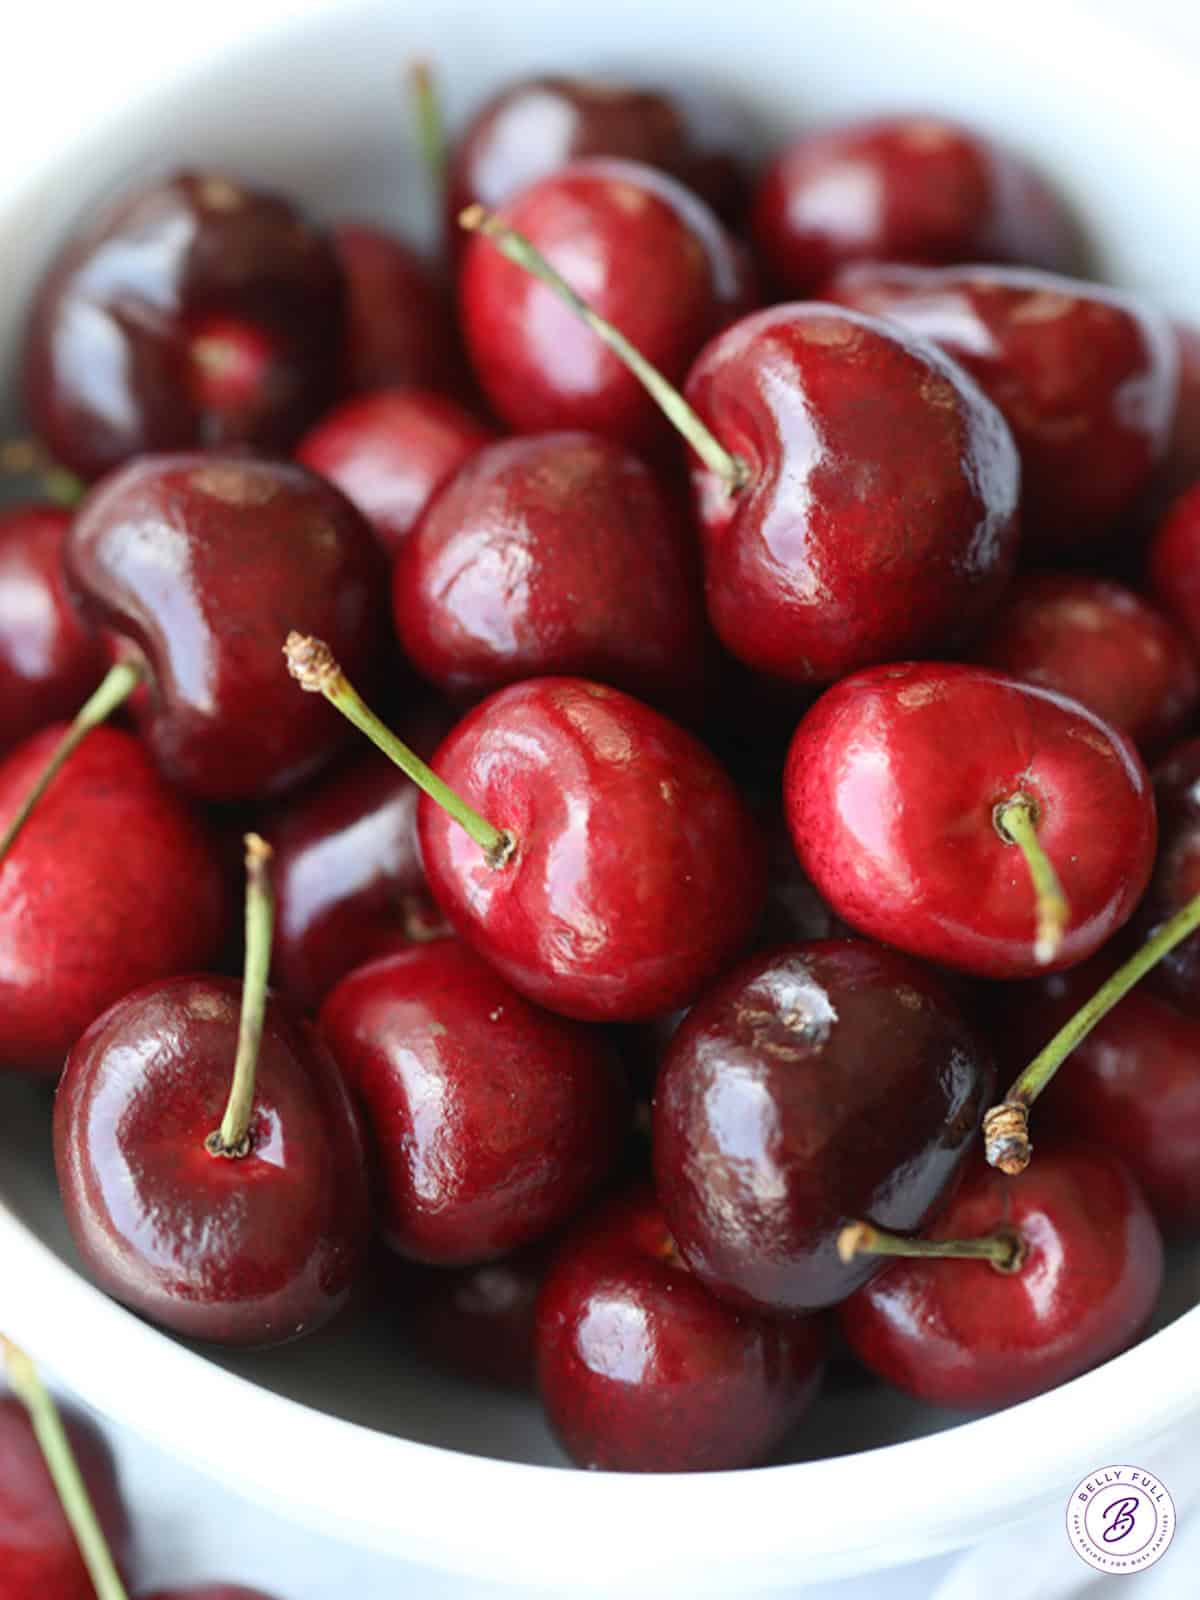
1111	115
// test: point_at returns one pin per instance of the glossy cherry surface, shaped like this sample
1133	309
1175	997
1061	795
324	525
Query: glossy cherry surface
816	1083
110	884
249	1250
1100	643
648	255
478	1321
960	1333
637	871
891	792
201	565
49	660
397	323
1086	378
641	1370
191	312
1173	562
493	1119
909	188
879	515
390	452
557	553
1176	877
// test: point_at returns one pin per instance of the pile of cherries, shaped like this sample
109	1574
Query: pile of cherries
791	574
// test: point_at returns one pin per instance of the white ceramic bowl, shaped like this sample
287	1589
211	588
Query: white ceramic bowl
345	1433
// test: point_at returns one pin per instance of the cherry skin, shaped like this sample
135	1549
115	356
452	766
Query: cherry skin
1086	379
650	256
636	873
892	792
389	452
493	1119
1173	563
111	884
191	312
249	1250
641	1370
398	332
557	553
961	1333
1176	877
1102	644
813	1084
478	1322
49	660
199	566
909	188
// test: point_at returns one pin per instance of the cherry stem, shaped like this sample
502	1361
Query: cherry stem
431	127
312	664
64	1472
232	1138
524	254
1006	1126
119	683
1016	823
25	458
1005	1250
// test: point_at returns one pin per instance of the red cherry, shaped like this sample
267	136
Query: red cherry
390	452
814	1084
1173	563
641	1370
111	884
1176	878
1086	378
908	188
900	781
478	1321
49	661
398	329
1099	643
192	312
961	1333
649	255
554	554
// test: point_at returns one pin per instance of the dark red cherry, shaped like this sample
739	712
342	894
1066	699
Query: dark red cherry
911	792
390	452
557	553
641	1370
1173	562
906	188
1176	878
49	660
961	1333
1086	378
493	1119
398	331
110	884
191	312
478	1322
816	1083
648	254
1102	644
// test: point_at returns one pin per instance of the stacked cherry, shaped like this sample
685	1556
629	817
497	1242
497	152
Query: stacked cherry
763	695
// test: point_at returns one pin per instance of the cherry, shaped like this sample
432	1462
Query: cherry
478	1321
1176	878
961	1333
641	1370
49	661
193	311
651	257
390	452
247	1228
1180	468
1086	378
1100	643
1173	562
907	188
980	822
111	884
493	1119
398	331
554	554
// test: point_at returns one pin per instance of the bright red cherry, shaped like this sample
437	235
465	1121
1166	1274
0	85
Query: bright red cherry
1173	562
1176	878
398	330
962	1333
1086	378
478	1322
557	553
933	806
390	452
641	1370
193	312
907	188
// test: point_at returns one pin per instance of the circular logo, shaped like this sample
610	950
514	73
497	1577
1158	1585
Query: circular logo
1120	1519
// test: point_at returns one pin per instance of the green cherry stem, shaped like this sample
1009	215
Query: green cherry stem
232	1138
1006	1126
312	664
1005	1249
64	1471
1016	823
431	127
522	253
